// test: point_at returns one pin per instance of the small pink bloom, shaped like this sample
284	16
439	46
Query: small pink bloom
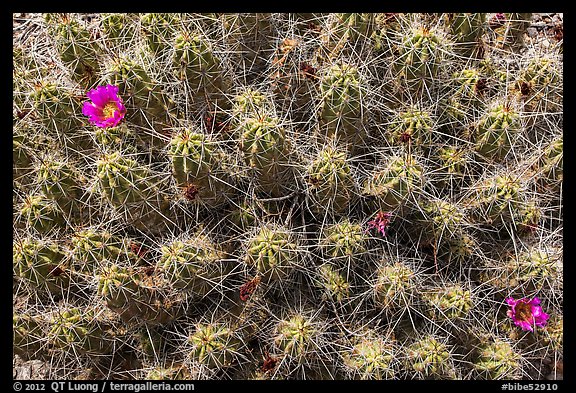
106	109
380	222
527	313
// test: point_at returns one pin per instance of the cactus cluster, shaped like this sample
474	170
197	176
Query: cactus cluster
287	196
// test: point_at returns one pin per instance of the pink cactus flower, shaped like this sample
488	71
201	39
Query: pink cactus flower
106	109
380	222
527	313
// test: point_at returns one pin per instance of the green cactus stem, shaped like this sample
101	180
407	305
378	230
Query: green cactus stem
29	336
80	331
420	56
295	336
41	214
214	345
496	131
450	303
340	112
191	265
414	127
273	253
430	358
370	356
91	248
62	182
330	181
266	150
159	30
395	286
76	47
195	62
392	185
42	264
468	29
343	240
333	285
497	360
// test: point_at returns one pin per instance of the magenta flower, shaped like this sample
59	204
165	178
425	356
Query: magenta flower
380	222
527	313
106	109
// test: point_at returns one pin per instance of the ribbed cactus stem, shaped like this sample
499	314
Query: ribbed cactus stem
419	58
392	185
119	28
191	265
174	372
29	333
79	330
295	336
333	284
214	345
499	199
429	357
192	158
330	180
451	303
118	286
266	150
498	360
195	62
465	98
76	46
414	127
22	159
453	161
138	90
61	182
273	253
442	221
496	132
550	166
395	285
132	188
371	356
159	30
250	104
247	36
534	268
343	240
513	31
91	248
42	264
345	29
57	108
467	29
340	113
41	213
